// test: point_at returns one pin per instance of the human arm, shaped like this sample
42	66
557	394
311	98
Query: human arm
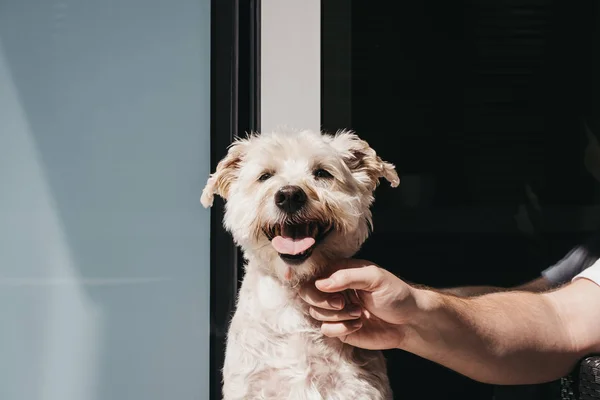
507	338
500	338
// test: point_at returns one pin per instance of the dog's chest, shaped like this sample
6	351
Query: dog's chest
275	351
285	364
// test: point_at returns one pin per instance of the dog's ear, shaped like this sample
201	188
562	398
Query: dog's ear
227	171
364	163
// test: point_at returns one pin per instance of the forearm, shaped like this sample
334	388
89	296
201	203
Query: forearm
501	338
470	291
536	285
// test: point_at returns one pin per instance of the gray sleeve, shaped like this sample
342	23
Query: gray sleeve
572	264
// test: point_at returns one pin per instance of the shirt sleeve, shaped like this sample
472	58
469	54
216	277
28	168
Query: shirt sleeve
570	266
575	262
592	273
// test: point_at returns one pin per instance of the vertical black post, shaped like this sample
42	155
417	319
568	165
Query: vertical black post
336	64
235	107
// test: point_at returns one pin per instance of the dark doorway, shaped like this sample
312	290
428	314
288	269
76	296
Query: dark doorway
483	107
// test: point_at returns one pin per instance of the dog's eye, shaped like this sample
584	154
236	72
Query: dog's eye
321	173
264	176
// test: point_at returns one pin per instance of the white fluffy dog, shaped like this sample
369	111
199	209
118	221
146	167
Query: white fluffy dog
294	201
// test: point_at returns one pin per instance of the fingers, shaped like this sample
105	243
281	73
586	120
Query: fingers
326	301
365	276
340	329
350	313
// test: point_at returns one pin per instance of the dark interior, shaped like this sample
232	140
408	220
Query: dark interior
478	103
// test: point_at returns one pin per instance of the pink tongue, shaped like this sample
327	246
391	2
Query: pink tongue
291	246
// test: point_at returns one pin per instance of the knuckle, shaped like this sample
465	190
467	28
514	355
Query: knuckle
373	269
376	273
341	276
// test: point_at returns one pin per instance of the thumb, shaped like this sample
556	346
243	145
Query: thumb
367	278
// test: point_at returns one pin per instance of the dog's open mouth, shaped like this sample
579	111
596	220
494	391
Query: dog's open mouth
296	242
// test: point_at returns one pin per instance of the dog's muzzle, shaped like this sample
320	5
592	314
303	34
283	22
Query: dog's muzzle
295	242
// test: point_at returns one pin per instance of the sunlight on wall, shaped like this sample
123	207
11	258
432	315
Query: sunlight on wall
104	247
33	251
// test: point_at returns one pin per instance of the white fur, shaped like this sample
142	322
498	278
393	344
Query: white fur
274	349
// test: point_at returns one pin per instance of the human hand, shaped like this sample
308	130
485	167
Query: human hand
378	314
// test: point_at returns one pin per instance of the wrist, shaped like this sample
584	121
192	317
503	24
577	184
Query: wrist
425	303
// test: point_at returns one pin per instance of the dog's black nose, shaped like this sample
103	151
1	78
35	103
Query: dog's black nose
290	199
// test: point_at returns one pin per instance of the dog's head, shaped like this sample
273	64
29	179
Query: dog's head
295	200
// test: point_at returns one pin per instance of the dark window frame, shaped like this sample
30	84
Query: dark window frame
235	110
